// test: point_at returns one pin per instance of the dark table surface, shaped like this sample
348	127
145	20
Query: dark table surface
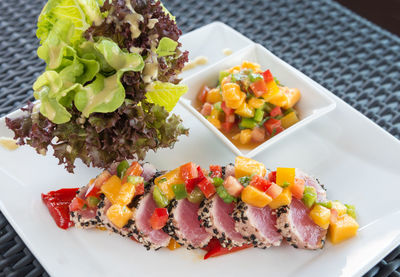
353	58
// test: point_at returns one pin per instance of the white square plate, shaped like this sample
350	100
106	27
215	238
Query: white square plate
314	102
352	156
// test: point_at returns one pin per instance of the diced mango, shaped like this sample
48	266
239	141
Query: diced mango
173	245
232	95
111	188
245	136
246	167
166	181
214	113
249	65
214	121
245	110
214	96
119	215
289	119
225	80
343	228
339	207
292	97
285	198
255	197
275	95
320	215
256	103
126	193
285	175
234	69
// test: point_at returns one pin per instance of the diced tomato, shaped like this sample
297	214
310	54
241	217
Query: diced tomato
259	88
273	126
206	187
139	189
268	76
258	134
206	109
92	191
188	171
203	94
227	126
134	170
230	118
272	176
228	111
260	183
76	204
233	186
159	218
297	188
215	249
200	173
275	111
274	190
216	171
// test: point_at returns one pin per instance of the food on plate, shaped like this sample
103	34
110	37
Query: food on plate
221	209
249	105
110	82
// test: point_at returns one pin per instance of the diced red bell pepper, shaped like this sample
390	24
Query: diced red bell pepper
272	176
260	183
190	184
92	191
259	88
215	249
227	126
203	94
228	111
57	203
275	111
206	187
200	172
268	76
134	170
159	218
188	171
139	189
273	126
216	171
76	204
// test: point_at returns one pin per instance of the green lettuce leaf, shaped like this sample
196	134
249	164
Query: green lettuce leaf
166	94
80	12
166	47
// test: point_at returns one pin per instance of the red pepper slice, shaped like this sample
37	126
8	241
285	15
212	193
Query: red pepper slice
203	94
260	183
159	218
273	126
275	111
268	76
227	126
216	171
206	187
92	190
272	176
139	189
57	203
188	171
259	88
214	249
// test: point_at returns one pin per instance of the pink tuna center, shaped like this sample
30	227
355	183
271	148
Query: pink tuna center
223	219
265	222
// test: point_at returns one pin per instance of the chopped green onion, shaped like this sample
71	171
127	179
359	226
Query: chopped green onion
351	210
159	197
121	168
258	115
309	196
218	181
245	180
225	196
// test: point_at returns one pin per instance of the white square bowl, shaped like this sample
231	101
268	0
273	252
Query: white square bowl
314	101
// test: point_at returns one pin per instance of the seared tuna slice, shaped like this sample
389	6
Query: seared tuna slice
298	228
85	218
312	182
257	225
216	217
184	226
141	227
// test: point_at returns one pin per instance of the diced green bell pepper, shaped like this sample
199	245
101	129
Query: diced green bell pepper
179	191
258	115
327	204
218	181
247	123
121	168
196	196
309	196
92	201
160	199
135	180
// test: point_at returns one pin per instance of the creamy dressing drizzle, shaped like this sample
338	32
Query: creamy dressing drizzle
104	96
227	51
8	143
133	19
152	23
201	60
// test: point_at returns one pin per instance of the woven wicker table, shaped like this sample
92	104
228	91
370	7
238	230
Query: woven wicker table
353	58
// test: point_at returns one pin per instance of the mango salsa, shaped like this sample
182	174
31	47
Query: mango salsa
246	167
285	198
275	95
214	96
166	181
111	188
289	119
343	228
292	97
339	207
126	193
320	215
119	215
245	136
245	110
255	197
285	176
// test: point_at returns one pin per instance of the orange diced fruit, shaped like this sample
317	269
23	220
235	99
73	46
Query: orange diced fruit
284	199
343	228
214	121
250	65
234	69
275	95
255	197
119	215
111	188
126	193
339	207
214	96
246	167
166	181
321	216
245	136
285	175
173	244
292	97
256	103
245	110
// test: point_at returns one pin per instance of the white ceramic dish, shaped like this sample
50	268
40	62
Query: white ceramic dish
314	101
352	156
